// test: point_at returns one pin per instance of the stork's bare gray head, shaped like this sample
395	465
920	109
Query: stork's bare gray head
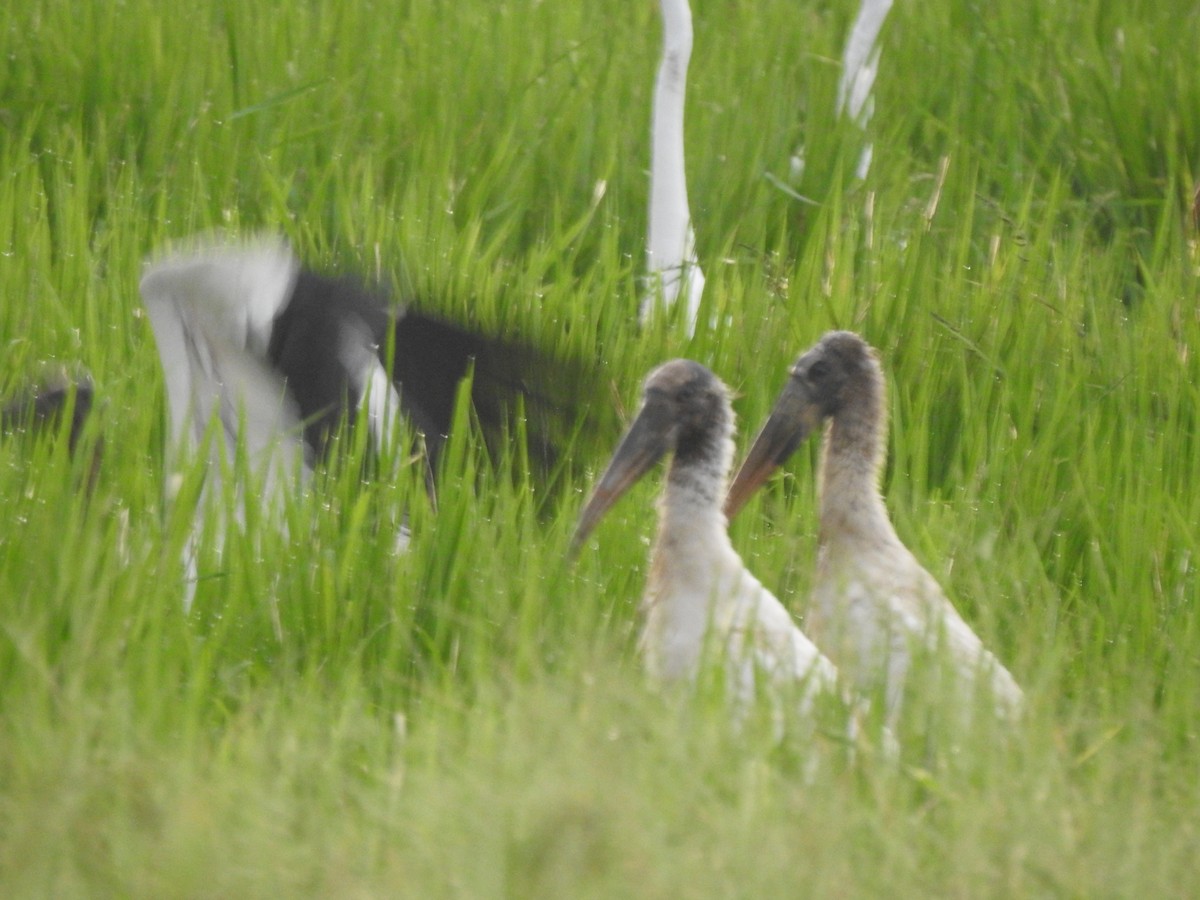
682	403
823	381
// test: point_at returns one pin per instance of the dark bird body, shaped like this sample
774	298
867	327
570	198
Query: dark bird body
272	358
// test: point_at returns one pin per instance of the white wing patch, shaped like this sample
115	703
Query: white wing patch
212	311
378	397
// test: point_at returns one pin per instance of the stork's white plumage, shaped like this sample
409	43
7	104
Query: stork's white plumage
874	607
213	313
700	598
271	358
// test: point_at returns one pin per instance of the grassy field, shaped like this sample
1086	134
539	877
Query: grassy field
470	719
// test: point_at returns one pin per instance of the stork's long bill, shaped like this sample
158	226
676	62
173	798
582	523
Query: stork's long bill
795	415
644	444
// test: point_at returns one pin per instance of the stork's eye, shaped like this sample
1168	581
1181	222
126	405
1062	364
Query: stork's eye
818	370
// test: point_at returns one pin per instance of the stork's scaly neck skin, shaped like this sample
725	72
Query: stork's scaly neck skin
699	471
691	525
852	457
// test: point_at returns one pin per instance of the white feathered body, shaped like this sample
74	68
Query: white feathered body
702	604
875	609
212	314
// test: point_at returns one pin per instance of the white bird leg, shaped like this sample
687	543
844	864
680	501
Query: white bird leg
671	243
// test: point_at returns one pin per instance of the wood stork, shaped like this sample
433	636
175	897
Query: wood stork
873	606
272	357
700	598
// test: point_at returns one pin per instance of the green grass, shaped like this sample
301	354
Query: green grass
470	719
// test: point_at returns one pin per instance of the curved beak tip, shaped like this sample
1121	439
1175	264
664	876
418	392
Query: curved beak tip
643	445
788	425
578	539
743	487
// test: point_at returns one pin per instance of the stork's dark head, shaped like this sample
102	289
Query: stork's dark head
685	410
838	374
691	404
835	372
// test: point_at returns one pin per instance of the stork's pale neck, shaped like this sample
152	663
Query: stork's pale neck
699	471
852	458
691	518
692	553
